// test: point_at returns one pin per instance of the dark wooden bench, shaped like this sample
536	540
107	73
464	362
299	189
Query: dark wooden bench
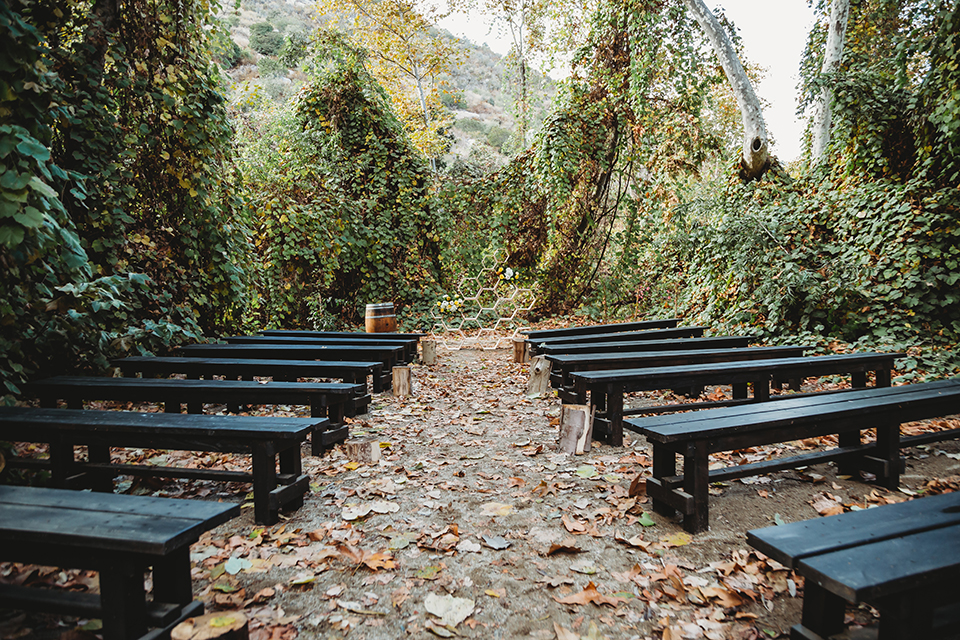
246	369
606	388
903	559
326	399
563	365
268	440
388	356
117	536
696	435
540	345
409	345
717	342
359	335
614	327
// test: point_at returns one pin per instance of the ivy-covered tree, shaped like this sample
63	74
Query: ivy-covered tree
143	238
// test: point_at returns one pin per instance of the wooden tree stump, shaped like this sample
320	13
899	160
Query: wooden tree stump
576	428
367	451
429	355
223	625
402	382
520	352
539	383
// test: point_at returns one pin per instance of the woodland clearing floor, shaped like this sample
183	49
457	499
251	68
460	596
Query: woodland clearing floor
470	501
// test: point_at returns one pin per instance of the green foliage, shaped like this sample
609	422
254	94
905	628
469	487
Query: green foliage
340	199
497	136
124	234
264	40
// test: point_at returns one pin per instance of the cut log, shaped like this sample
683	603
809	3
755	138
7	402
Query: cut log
576	428
223	625
402	382
429	355
539	382
520	352
367	451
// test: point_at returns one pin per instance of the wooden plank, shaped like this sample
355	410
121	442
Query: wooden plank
865	404
34	517
359	335
627	336
790	543
13	419
718	342
870	571
603	328
386	355
408	345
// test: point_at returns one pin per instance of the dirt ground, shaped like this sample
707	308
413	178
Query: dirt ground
471	515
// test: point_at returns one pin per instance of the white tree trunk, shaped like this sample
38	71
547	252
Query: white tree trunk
756	149
839	12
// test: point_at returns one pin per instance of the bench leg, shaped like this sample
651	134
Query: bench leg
171	405
888	450
171	578
696	483
739	391
615	415
291	464
264	481
822	613
761	391
847	466
664	466
883	377
858	379
122	600
102	481
61	463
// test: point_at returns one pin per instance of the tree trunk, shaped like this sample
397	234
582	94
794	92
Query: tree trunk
756	149
839	12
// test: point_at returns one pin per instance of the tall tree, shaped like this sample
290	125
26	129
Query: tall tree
837	27
756	148
405	51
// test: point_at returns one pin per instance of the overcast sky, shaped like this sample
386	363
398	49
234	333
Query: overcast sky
774	34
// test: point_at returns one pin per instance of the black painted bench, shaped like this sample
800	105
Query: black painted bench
673	344
614	327
409	345
696	435
118	536
540	345
607	388
359	335
388	356
325	399
268	440
904	559
563	365
246	369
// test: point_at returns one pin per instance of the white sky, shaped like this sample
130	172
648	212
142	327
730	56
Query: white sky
773	33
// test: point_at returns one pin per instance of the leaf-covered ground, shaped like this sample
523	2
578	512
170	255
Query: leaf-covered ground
471	525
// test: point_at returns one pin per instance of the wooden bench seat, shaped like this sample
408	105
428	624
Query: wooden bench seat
388	356
539	346
613	327
607	388
697	434
673	344
409	345
246	369
268	440
902	559
563	365
325	399
359	335
117	536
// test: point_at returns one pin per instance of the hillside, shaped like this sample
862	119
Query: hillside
477	91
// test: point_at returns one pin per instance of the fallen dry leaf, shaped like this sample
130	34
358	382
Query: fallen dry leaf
588	595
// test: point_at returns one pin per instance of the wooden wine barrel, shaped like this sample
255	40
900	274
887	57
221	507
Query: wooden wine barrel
381	318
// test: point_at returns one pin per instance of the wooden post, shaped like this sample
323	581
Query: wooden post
539	377
402	382
367	451
429	355
576	428
520	352
222	625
